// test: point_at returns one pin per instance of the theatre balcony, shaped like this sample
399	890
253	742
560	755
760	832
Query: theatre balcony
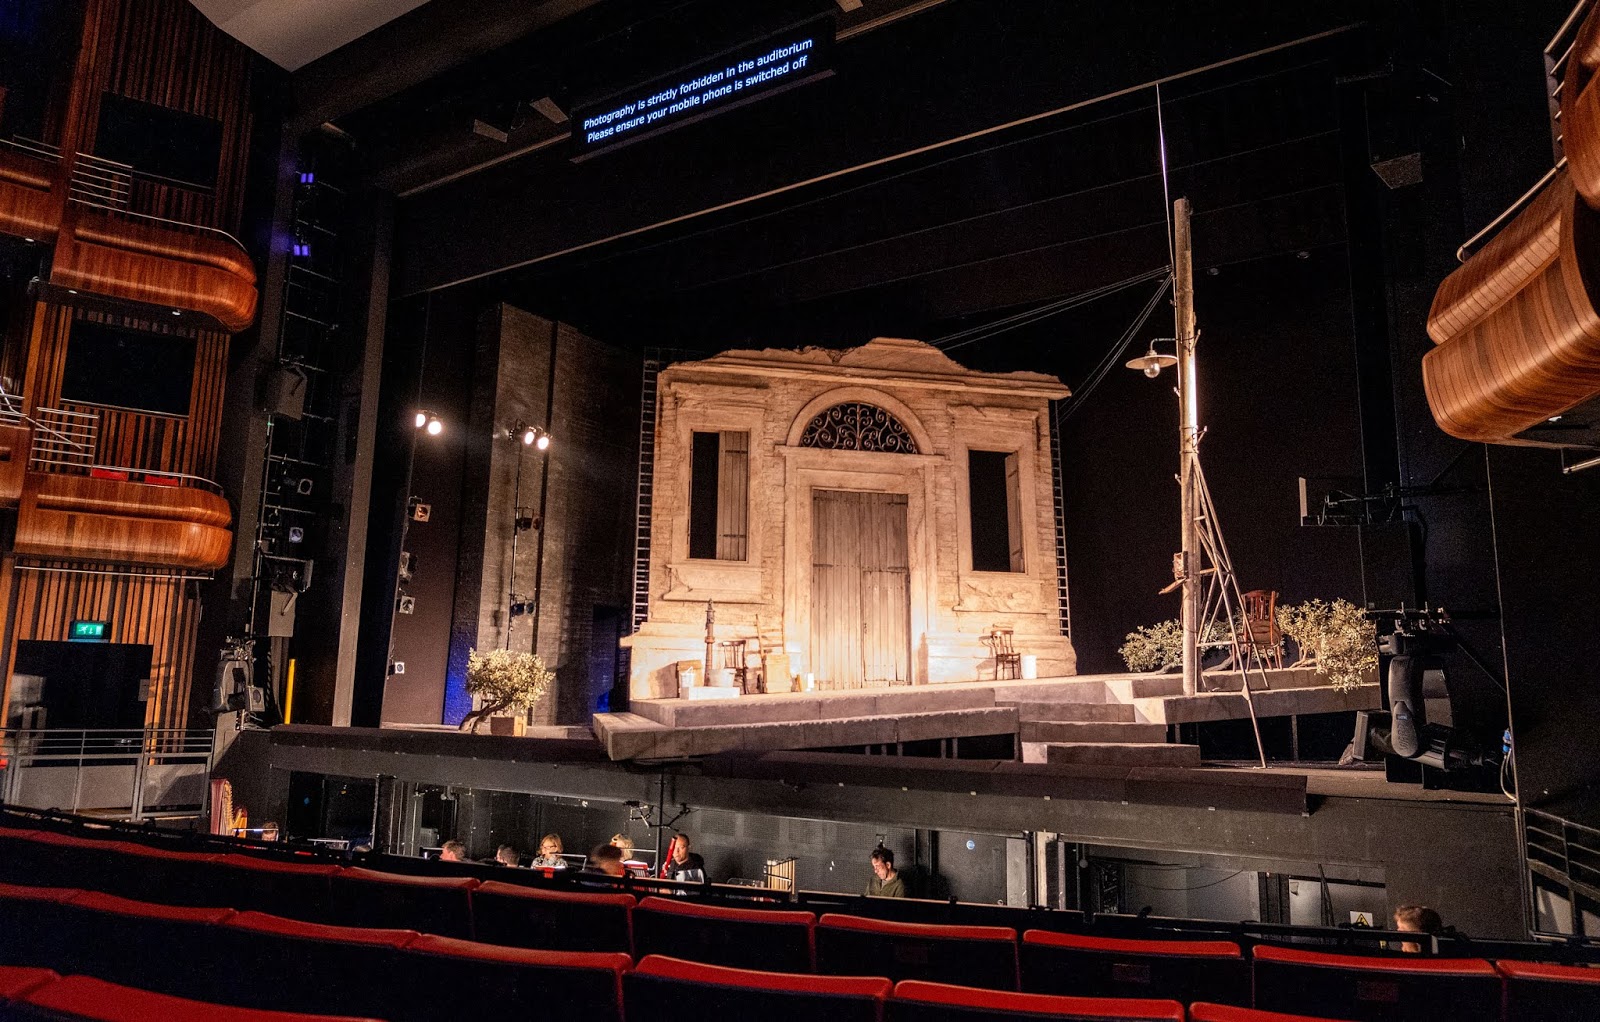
70	507
106	250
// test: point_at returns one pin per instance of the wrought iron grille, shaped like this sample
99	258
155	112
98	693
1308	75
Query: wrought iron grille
854	426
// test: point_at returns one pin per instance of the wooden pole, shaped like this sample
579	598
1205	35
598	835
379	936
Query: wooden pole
1189	444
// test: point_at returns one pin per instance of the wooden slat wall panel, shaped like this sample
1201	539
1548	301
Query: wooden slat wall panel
136	439
148	611
166	52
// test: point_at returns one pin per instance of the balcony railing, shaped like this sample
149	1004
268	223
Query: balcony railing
63	439
133	774
105	184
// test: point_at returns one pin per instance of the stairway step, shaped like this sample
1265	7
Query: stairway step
1092	731
1122	754
1096	712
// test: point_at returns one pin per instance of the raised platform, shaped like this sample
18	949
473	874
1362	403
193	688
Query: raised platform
1109	718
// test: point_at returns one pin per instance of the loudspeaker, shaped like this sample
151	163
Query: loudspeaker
284	392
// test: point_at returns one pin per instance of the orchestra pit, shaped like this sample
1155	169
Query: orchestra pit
887	510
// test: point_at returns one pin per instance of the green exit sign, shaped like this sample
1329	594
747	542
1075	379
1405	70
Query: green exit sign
88	631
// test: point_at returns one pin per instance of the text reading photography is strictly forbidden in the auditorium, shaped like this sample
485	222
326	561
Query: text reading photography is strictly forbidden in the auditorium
749	73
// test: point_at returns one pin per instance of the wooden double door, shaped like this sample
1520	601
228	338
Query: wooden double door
860	590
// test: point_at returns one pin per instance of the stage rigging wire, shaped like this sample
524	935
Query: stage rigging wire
971	335
1114	356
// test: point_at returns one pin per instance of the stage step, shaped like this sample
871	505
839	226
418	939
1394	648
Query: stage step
1122	754
1100	713
1091	731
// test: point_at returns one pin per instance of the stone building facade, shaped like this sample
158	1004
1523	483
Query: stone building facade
863	518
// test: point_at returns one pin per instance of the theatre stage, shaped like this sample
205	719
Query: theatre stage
1103	719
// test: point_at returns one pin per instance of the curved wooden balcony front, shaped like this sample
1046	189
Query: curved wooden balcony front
1517	329
27	209
110	517
151	262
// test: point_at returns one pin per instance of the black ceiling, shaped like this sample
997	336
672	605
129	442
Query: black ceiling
916	245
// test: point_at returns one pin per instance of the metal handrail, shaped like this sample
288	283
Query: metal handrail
204	483
32	147
1512	210
163	220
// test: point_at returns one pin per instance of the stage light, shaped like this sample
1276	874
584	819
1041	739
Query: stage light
435	426
422	419
543	443
529	435
1151	363
307	177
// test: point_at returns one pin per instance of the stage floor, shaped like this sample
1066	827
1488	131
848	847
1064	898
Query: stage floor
1106	718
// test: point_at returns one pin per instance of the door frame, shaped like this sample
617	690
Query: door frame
806	469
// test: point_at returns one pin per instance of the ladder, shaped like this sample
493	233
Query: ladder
1064	606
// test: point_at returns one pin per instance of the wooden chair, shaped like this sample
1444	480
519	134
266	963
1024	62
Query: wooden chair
1007	661
1259	636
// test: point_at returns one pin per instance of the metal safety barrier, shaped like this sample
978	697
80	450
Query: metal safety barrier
124	774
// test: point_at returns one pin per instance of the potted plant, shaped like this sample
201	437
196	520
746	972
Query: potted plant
502	680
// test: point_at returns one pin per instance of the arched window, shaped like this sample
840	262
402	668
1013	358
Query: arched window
856	426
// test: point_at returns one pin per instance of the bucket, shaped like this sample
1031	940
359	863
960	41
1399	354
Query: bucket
1030	666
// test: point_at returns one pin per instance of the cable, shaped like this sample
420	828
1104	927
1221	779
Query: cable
1115	354
971	335
1199	887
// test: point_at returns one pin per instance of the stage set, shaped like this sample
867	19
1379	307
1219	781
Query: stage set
864	548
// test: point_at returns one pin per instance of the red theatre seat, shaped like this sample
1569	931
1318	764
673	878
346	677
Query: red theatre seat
308	967
980	956
1376	989
915	1001
366	897
34	925
51	859
448	979
80	997
1179	970
16	981
1550	993
663	987
520	916
740	938
299	890
1203	1012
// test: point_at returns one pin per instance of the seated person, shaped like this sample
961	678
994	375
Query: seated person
505	855
630	860
606	860
1416	919
885	882
453	851
683	864
550	853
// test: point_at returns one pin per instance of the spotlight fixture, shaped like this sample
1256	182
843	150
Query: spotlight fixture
531	436
429	421
422	419
1151	363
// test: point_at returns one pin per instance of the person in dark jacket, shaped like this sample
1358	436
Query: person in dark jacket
885	882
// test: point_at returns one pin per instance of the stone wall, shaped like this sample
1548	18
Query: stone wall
948	411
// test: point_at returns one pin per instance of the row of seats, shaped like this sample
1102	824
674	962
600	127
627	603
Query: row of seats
219	954
1044	962
255	960
40	994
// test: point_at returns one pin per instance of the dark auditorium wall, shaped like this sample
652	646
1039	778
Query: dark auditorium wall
586	395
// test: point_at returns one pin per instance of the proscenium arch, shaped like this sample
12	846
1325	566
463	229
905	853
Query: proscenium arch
864	395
